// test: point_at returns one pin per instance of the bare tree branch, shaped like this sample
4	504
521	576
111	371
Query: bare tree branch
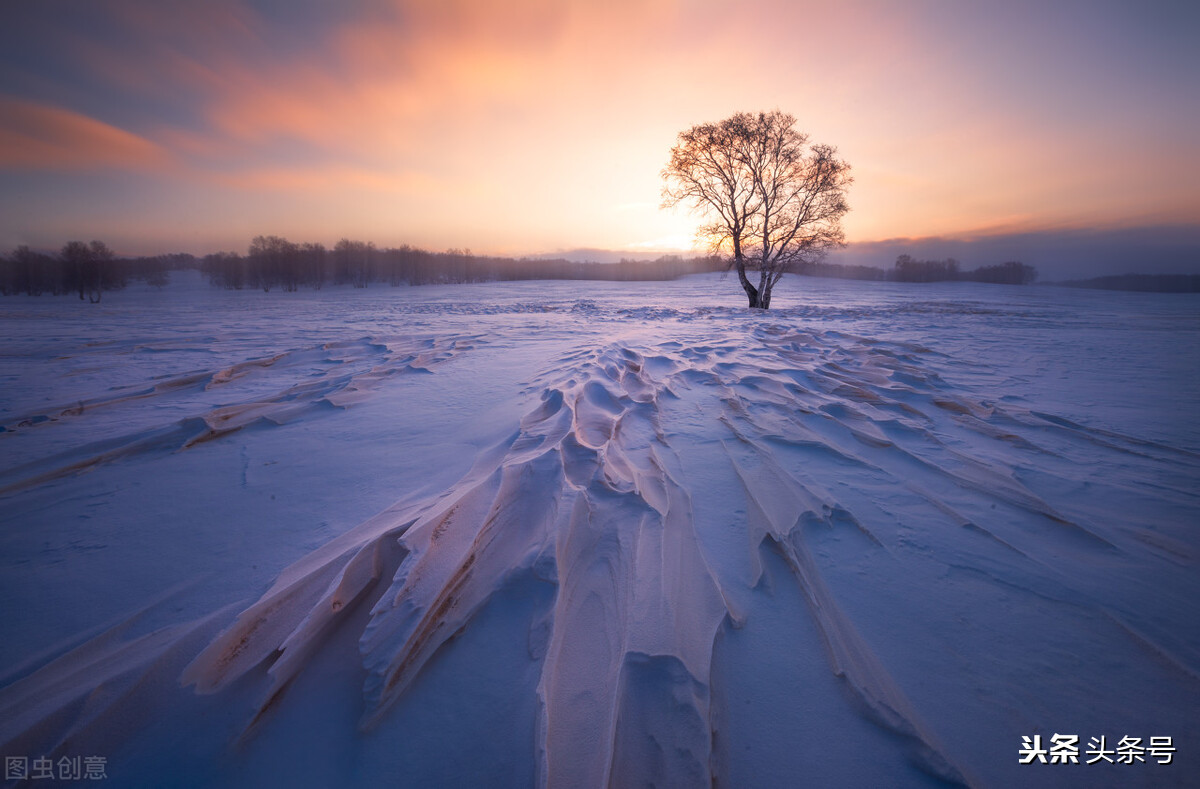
772	200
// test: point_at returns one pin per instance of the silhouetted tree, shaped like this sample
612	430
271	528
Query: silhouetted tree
90	269
106	273
354	262
908	269
313	265
35	273
1009	273
155	270
772	200
271	261
225	269
77	257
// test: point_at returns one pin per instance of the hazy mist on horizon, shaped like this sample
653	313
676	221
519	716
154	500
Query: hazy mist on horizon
1058	134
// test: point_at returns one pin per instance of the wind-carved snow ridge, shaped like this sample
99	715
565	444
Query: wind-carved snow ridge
272	390
95	692
637	538
833	450
584	495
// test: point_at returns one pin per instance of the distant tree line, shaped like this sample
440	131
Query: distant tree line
90	269
909	269
841	271
272	262
86	269
275	262
1144	283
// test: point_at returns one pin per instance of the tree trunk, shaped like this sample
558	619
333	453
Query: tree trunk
751	291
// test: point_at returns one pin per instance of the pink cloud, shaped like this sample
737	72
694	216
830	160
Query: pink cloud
325	179
41	137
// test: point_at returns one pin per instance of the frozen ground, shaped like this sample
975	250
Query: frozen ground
585	534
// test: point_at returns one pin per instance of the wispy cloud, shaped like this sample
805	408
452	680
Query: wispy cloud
40	137
541	123
326	180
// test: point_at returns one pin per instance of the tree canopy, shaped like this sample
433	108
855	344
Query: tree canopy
769	199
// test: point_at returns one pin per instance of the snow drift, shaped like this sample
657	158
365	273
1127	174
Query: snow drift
753	531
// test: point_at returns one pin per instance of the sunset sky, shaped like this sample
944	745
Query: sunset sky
534	126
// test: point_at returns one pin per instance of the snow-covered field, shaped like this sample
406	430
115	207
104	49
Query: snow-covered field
601	534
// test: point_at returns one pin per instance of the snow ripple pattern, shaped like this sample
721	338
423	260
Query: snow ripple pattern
272	390
589	493
595	493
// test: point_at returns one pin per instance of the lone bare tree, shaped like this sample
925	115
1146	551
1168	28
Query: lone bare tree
770	200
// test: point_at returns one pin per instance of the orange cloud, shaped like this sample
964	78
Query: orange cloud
520	124
40	137
326	180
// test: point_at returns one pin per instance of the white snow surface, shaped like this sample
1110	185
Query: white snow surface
577	534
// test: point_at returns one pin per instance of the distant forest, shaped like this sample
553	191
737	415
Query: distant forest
1145	283
274	262
87	269
908	269
90	269
271	262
